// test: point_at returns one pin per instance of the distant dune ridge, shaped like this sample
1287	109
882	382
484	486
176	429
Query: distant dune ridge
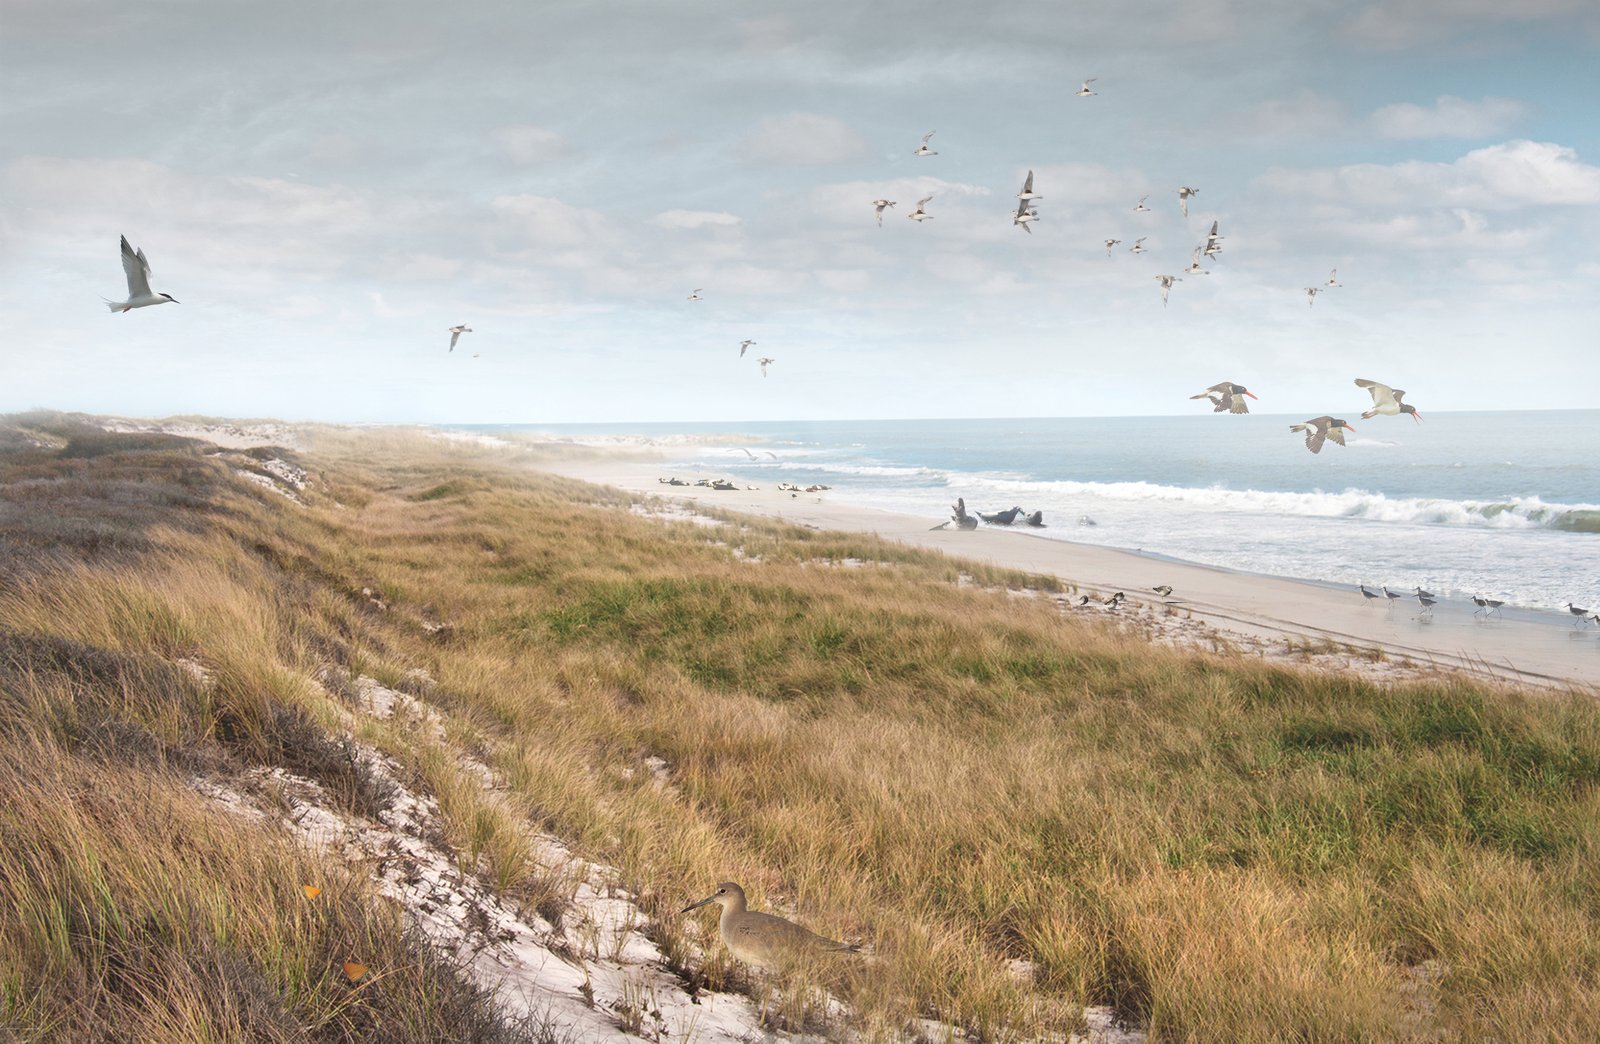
390	735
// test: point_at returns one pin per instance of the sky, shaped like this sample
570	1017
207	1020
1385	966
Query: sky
326	187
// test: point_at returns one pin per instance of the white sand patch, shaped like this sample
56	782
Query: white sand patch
290	475
266	483
222	433
672	512
472	438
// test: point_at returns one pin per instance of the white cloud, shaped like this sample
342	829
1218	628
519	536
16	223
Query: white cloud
1505	176
803	139
1449	117
528	146
1397	24
687	219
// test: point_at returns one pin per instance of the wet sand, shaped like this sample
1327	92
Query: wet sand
1535	648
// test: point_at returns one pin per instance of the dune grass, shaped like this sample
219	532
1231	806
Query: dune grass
962	778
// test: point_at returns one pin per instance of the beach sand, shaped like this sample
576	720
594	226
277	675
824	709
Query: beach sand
1210	607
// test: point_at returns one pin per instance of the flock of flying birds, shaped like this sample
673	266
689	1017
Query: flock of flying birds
1228	397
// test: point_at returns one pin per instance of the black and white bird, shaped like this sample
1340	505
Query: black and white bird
455	334
923	150
765	361
1165	590
1111	243
694	295
1213	244
1027	194
1311	295
1166	286
1319	428
1084	91
1194	264
882	205
137	269
1387	401
1138	245
1227	397
919	215
1183	198
1140	208
744	346
1333	278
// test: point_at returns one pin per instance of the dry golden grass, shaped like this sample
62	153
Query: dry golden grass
1221	848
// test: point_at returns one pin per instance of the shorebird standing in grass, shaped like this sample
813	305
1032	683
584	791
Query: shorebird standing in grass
765	940
923	150
882	205
1319	428
137	269
455	334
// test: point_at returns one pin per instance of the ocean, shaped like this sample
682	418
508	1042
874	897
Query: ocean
1504	505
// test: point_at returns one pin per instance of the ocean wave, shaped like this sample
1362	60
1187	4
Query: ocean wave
1511	513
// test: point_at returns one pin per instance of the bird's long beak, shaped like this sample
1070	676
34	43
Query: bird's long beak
174	300
1416	416
1253	395
1350	426
696	906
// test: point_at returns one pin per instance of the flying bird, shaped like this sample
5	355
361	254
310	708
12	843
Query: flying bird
744	346
694	295
1140	208
1194	264
1138	245
923	150
919	215
1387	401
1183	198
1320	428
1213	245
1084	91
1023	216
455	334
1227	397
1111	243
1332	278
882	205
765	361
1027	192
137	270
1166	286
1311	295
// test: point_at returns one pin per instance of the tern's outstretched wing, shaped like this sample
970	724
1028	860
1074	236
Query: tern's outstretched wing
137	269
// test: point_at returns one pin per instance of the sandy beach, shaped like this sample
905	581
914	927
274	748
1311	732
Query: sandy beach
1256	612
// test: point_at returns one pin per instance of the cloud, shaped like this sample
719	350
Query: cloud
803	139
528	146
1449	117
687	219
1397	24
1506	176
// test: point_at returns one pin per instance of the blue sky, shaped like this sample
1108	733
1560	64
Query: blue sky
327	187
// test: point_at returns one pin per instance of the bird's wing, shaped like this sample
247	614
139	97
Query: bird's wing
1337	435
455	335
1314	437
137	270
1027	186
1236	404
928	135
1090	80
924	202
1399	396
1382	394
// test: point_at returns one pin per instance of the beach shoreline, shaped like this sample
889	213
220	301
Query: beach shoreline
1254	610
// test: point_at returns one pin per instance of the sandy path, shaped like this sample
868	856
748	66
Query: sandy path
1535	647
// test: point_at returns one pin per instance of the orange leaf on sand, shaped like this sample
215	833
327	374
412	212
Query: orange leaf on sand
312	891
353	971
